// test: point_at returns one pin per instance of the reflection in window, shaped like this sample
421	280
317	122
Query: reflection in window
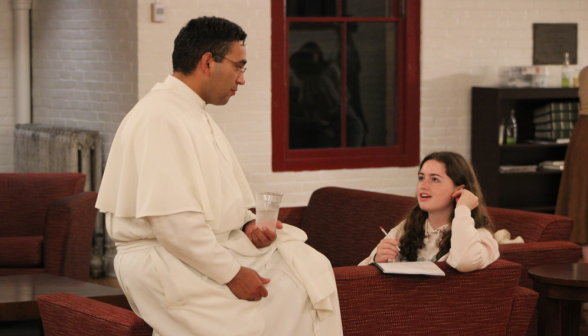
316	85
367	8
315	8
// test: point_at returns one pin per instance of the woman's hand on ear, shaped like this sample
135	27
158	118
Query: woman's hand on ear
465	197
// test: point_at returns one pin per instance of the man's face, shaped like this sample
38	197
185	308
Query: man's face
227	75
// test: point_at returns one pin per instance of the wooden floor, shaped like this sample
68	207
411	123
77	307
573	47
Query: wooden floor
106	281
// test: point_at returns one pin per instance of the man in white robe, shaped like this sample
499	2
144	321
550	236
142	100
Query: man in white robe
176	205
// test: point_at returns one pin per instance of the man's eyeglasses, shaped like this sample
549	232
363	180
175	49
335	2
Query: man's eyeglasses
241	68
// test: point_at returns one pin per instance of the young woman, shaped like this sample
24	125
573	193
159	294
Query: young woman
449	223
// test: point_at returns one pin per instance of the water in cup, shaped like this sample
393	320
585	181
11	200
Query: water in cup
267	206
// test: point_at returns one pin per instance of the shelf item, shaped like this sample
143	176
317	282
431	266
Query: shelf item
517	169
529	190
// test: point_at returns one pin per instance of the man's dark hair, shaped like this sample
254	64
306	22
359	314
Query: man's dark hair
202	35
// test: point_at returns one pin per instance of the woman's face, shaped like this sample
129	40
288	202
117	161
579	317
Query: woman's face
435	188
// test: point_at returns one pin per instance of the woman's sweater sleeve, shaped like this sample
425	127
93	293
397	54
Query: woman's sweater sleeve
395	233
471	249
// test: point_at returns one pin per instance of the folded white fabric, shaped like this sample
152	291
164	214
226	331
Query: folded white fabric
503	237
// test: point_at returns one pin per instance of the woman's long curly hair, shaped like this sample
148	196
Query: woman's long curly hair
461	173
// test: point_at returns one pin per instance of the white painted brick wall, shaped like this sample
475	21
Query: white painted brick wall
463	44
84	64
6	92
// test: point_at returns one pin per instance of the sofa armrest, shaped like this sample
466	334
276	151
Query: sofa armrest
530	255
292	215
68	235
532	226
373	303
522	311
71	314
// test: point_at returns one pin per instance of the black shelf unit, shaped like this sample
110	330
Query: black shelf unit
534	191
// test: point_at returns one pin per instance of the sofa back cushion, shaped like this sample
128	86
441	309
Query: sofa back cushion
359	213
21	252
25	197
531	226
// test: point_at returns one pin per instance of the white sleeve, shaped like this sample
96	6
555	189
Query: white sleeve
249	216
471	249
395	233
187	237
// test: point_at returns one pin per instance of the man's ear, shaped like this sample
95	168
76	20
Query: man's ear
205	63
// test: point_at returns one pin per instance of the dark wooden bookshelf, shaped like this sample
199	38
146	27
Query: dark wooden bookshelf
532	191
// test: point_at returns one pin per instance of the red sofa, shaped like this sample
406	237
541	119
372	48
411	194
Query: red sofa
343	224
486	302
46	224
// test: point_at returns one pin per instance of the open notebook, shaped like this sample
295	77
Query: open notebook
410	267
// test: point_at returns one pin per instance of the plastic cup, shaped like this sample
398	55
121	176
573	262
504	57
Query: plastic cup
267	206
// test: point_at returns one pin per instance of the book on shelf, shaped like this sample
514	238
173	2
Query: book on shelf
517	168
553	135
556	116
555	126
557	107
550	142
552	165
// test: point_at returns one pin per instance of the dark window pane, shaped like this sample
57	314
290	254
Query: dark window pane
314	8
371	80
315	86
367	8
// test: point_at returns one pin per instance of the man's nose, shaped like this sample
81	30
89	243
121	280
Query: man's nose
241	79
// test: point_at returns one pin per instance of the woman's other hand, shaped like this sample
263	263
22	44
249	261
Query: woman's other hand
465	197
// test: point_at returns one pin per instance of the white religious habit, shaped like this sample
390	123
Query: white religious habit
175	200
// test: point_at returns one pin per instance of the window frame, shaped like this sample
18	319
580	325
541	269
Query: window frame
405	153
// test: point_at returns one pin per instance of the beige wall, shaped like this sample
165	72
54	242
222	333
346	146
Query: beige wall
6	93
463	44
84	64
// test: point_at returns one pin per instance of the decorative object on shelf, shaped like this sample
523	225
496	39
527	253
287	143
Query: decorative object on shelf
566	72
517	168
512	131
523	76
552	165
501	132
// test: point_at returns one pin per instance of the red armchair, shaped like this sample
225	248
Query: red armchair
46	224
72	315
487	302
343	225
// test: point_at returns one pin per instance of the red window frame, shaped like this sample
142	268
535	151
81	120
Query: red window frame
406	152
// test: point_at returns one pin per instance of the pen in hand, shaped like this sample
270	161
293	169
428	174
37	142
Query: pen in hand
386	234
381	228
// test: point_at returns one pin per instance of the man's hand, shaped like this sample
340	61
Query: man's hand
261	237
248	285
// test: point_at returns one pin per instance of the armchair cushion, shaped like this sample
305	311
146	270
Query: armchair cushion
21	251
24	199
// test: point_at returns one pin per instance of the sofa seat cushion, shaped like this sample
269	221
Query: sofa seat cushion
21	252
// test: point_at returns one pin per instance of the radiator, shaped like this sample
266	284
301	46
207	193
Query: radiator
52	149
